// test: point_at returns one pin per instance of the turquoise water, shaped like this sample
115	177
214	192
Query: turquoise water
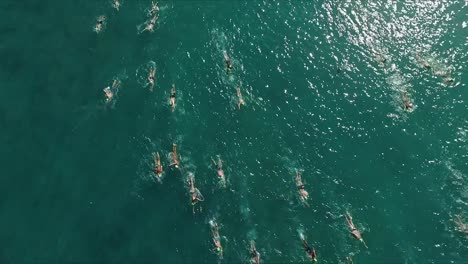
322	82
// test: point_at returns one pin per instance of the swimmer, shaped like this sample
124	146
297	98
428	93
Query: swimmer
216	238
175	157
227	60
108	93
219	166
195	195
150	26
240	100
254	255
172	99
425	63
111	91
300	187
100	24
158	168
310	251
407	105
354	232
349	260
445	75
380	58
116	5
154	8
461	226
448	80
151	78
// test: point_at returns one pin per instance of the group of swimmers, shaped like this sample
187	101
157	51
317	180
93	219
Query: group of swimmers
196	197
310	251
150	24
216	238
229	71
195	194
111	91
445	74
153	14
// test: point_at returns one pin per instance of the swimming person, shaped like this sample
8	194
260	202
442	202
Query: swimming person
425	63
116	4
227	60
240	100
150	26
175	157
108	93
158	168
172	98
151	75
354	232
380	58
254	255
303	194
310	251
100	24
111	91
195	194
154	9
407	104
445	74
220	171
461	226
448	80
215	237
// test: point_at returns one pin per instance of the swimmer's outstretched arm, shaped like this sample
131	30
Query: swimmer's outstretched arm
158	159
364	242
298	177
174	149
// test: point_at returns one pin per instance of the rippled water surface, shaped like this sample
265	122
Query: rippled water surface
324	84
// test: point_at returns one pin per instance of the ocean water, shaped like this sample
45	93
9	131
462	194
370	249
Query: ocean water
322	82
